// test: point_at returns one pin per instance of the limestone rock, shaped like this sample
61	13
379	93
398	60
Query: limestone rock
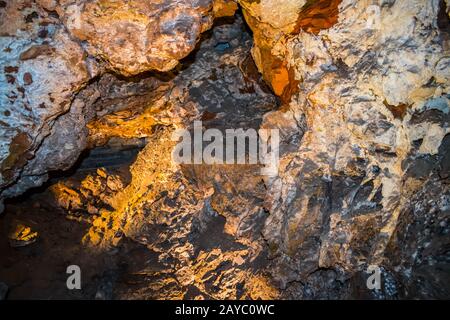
364	167
204	219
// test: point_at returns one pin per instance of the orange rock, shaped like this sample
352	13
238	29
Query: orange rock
317	15
224	8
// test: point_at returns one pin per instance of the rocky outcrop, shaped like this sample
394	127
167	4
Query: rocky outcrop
51	50
36	54
136	36
201	222
363	176
361	75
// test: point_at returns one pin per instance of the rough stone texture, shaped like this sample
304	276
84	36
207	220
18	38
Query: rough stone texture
181	231
50	50
362	83
136	36
202	221
36	54
364	170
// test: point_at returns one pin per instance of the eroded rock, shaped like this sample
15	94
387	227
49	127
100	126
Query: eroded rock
50	52
358	85
363	176
137	36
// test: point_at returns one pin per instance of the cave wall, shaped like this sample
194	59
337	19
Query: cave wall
364	93
360	74
52	50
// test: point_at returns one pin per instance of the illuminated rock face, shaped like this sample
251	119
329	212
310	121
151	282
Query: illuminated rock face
202	222
42	70
136	36
49	52
361	80
363	177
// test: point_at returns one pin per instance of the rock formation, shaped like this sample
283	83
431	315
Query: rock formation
363	111
51	50
361	75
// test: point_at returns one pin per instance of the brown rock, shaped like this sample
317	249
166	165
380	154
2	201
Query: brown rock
27	78
36	51
137	36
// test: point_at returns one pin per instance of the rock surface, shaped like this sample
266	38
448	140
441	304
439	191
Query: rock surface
361	79
136	36
52	50
364	168
201	221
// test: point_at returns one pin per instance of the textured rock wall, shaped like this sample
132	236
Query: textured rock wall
51	50
363	176
361	74
202	223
